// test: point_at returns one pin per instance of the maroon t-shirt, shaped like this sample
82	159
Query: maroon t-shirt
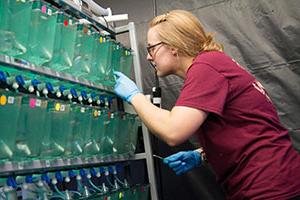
249	150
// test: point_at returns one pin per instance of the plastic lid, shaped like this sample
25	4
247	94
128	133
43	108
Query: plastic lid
111	169
59	176
11	182
45	178
101	170
62	88
20	80
93	172
35	82
2	76
119	167
84	94
73	92
82	173
49	86
71	174
29	179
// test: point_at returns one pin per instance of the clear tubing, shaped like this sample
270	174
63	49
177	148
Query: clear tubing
57	196
75	192
94	186
119	181
43	193
109	182
58	191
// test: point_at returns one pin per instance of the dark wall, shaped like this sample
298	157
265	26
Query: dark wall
262	35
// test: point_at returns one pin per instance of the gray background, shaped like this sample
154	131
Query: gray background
262	35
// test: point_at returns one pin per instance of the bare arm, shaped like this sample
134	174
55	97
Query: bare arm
175	126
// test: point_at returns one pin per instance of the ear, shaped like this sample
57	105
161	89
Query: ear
174	51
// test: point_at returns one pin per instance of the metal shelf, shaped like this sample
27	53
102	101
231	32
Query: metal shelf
34	166
146	134
38	165
20	64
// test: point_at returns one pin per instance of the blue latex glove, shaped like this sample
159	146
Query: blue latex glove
183	161
124	87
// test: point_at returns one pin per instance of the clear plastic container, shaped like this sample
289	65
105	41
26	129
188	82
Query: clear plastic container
115	63
107	196
116	56
100	133
3	14
128	194
114	195
122	138
81	122
110	126
59	141
42	28
126	61
83	51
10	106
93	145
101	65
95	72
126	135
107	64
132	193
135	123
3	26
64	45
14	26
30	129
143	192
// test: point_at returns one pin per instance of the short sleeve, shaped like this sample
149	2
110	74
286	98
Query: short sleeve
204	89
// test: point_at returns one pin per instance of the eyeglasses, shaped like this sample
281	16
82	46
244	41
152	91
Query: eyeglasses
150	49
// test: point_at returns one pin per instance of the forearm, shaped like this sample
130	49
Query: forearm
175	126
156	119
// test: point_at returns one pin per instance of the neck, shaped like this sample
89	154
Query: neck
184	65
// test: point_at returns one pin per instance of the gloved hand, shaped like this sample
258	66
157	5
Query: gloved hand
183	161
124	87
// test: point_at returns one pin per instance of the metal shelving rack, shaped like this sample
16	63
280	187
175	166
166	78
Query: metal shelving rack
46	165
19	64
10	167
137	71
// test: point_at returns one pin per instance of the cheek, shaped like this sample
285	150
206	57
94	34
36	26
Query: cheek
164	68
165	63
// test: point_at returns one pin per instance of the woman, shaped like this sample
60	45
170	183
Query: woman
225	106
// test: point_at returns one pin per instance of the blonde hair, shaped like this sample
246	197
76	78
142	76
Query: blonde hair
182	30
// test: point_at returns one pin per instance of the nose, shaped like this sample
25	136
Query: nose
149	57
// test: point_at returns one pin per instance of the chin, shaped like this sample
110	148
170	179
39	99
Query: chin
162	74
